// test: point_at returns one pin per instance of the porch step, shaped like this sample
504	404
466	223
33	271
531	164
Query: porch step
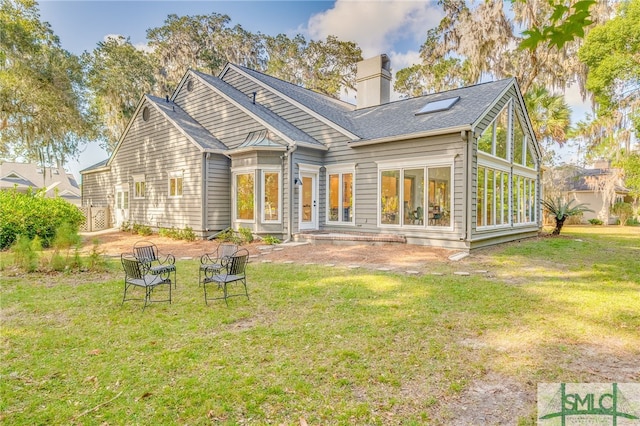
347	237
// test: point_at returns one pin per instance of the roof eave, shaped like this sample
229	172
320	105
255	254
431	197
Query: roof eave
255	148
428	133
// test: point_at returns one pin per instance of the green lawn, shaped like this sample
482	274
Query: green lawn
327	345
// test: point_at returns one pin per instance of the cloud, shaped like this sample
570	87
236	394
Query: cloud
376	26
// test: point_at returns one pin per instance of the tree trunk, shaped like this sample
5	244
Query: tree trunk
559	225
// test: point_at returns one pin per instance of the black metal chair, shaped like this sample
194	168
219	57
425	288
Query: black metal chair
213	262
138	274
147	252
233	271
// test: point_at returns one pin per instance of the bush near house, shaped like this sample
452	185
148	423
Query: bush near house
624	211
30	214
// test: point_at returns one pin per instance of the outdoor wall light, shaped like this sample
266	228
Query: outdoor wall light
297	182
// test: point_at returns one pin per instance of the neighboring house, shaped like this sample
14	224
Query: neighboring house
599	188
458	169
54	180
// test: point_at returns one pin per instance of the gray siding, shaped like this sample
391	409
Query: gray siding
156	148
294	115
225	121
218	193
94	189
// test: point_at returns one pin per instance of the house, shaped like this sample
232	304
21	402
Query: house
458	169
599	187
54	181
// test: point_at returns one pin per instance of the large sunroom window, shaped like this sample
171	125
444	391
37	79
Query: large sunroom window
506	191
416	196
340	193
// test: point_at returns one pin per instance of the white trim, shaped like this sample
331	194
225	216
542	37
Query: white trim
496	163
428	133
262	194
309	168
175	174
425	164
430	161
139	178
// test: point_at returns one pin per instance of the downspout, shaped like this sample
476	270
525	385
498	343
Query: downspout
204	169
290	182
469	178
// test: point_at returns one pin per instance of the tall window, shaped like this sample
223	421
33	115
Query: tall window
423	198
492	207
495	139
440	190
139	186
245	190
340	196
389	197
176	180
271	196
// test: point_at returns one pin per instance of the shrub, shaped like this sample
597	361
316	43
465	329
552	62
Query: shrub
624	211
246	234
26	252
229	235
32	215
95	261
178	234
140	229
271	240
595	221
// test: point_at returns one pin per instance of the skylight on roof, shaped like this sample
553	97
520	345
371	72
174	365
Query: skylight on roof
441	105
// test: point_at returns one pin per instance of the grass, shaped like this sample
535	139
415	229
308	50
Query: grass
326	345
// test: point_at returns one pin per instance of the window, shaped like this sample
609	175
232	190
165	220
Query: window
495	139
176	180
416	196
441	105
271	196
146	113
340	195
524	200
389	197
439	193
139	186
492	207
244	193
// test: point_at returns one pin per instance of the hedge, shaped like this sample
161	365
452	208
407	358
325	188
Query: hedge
32	214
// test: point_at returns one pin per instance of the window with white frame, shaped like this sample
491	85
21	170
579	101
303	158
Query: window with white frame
340	193
506	191
244	195
495	139
416	195
139	186
176	182
271	189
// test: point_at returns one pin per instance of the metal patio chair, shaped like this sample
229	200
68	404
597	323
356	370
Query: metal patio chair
233	271
147	252
213	262
138	274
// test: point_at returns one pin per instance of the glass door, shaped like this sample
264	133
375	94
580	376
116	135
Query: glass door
308	201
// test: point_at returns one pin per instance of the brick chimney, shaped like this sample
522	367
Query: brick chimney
373	81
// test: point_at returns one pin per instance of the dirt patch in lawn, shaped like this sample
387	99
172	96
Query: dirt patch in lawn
391	256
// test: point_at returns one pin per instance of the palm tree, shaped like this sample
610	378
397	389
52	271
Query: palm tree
561	210
550	117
